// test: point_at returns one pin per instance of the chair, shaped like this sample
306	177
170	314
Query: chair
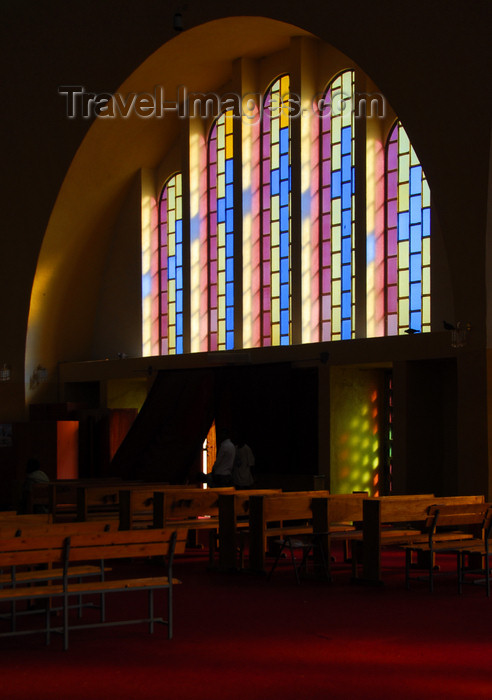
305	544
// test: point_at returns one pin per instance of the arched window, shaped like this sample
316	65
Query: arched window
337	211
275	224
408	229
171	266
221	233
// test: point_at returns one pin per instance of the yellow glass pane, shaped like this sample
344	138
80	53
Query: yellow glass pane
221	334
178	182
426	313
426	195
403	284
221	283
336	293
403	168
229	146
179	208
336	130
403	313
220	185
336	156
426	281
221	307
403	255
403	197
413	157
221	258
171	334
229	121
171	247
171	222
275	264
275	233
336	320
403	141
275	311
220	161
336	266
221	235
171	295
336	212
275	208
348	112
220	135
275	162
276	334
336	238
426	251
171	198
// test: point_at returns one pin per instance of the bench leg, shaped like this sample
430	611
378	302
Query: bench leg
170	611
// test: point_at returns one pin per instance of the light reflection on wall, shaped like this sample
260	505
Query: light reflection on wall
355	432
375	236
198	240
251	225
150	285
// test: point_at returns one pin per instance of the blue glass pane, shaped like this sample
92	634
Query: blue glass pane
229	171
146	284
415	179
230	341
179	278
346	305
179	230
426	222
415	297
284	140
221	211
179	324
284	322
179	255
179	346
346	250
284	218
336	184
284	245
371	248
275	182
230	269
284	271
415	209
416	320
346	223
346	169
284	191
229	245
230	318
229	222
346	277
284	166
415	238
415	268
230	294
229	196
171	268
346	331
346	139
179	300
403	226
346	195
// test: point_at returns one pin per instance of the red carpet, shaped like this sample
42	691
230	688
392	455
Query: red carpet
239	637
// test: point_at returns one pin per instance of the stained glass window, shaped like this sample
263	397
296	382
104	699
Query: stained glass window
276	215
221	233
171	266
337	210
408	237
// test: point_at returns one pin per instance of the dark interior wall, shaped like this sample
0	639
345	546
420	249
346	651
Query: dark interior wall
274	407
427	450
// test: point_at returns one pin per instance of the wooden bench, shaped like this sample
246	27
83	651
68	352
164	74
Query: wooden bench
458	529
59	552
136	504
397	521
302	513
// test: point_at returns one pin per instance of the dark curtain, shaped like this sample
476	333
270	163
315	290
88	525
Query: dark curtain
167	436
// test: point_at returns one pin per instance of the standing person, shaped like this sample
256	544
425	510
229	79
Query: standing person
34	475
221	474
242	475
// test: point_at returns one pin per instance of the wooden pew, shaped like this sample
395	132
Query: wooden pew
62	496
136	504
397	521
58	552
460	530
297	514
97	501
